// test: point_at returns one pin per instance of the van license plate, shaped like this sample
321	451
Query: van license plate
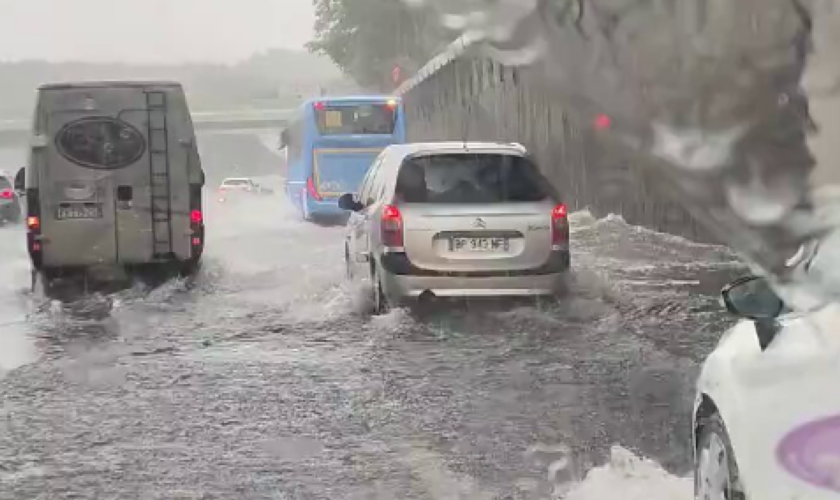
479	245
79	212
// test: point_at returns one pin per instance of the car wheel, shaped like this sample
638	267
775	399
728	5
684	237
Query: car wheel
380	301
716	474
563	287
348	271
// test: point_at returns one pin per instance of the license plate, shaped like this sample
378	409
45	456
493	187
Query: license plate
331	187
480	245
79	212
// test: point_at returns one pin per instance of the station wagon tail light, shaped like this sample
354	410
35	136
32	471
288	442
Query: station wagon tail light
559	227
392	227
196	217
319	105
7	194
33	222
310	186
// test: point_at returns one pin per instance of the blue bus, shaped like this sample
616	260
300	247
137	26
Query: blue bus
330	145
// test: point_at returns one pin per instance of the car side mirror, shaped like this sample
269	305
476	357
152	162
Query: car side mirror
38	141
348	202
20	181
752	297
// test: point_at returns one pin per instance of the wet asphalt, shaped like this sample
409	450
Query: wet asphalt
260	378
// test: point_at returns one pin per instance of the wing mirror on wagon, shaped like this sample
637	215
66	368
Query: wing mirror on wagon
752	297
348	202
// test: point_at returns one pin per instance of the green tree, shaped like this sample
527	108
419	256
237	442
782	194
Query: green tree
367	38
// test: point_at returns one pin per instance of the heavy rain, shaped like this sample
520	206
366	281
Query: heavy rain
264	375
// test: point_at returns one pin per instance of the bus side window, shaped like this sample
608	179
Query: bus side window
291	140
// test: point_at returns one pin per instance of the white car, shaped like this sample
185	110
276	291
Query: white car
456	220
767	412
233	185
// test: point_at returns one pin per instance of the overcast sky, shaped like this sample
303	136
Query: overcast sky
150	30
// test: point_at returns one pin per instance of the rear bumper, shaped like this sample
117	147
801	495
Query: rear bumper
401	280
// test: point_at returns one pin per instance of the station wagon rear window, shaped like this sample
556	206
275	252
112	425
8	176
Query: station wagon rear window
471	178
367	119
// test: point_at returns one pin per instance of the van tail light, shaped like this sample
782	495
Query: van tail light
310	187
7	194
196	217
392	227
559	228
197	220
33	227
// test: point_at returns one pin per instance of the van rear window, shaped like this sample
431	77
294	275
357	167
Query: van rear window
471	178
100	142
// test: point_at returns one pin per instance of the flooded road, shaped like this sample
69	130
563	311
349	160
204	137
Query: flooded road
261	381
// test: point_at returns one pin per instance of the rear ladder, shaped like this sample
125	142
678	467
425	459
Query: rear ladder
161	201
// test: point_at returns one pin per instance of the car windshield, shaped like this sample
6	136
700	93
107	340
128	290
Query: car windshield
471	178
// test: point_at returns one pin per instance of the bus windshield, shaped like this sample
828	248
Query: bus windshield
363	119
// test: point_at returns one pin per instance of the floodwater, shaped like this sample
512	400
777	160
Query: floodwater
262	380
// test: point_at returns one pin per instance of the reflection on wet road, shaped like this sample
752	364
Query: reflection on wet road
261	381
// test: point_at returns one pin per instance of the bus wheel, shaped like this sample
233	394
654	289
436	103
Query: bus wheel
380	300
304	212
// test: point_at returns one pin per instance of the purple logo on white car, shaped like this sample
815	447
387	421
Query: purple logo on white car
812	453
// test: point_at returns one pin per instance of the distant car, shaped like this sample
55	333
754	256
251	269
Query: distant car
10	209
234	185
456	220
767	409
